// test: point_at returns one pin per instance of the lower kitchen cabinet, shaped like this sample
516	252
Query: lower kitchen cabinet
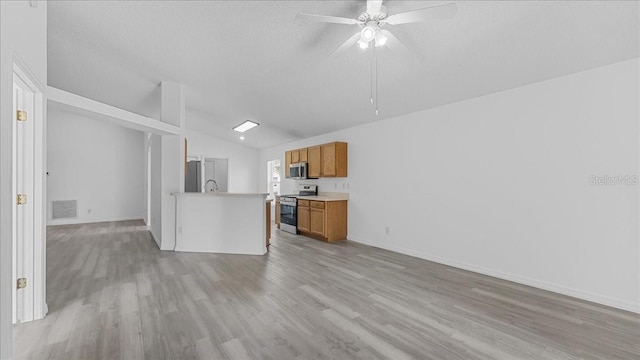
324	220
268	221
303	216
278	211
316	222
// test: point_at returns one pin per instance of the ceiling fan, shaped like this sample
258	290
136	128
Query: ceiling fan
374	17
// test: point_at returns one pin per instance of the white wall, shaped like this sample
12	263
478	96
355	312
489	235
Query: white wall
500	184
156	189
97	163
29	48
243	161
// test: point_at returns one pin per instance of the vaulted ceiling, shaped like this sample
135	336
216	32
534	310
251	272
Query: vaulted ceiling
254	60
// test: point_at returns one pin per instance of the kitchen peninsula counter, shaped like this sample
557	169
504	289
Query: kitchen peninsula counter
221	222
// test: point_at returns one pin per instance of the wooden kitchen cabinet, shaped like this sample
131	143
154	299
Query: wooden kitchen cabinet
323	220
334	159
303	216
278	211
314	162
295	156
316	221
287	162
327	160
268	235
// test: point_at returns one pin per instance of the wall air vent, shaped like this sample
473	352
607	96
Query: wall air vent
64	209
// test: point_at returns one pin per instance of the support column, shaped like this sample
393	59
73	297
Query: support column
172	150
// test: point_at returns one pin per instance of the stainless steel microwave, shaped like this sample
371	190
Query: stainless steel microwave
298	171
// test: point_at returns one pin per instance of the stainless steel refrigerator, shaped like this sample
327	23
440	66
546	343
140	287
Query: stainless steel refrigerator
192	181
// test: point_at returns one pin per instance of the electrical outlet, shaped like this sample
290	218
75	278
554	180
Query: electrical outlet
386	230
179	229
88	211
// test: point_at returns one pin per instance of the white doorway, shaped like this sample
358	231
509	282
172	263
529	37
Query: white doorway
273	178
28	235
273	183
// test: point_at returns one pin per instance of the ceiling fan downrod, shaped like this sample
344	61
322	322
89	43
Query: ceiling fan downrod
374	79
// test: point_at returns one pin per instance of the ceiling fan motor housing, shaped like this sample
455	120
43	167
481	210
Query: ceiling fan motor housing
366	17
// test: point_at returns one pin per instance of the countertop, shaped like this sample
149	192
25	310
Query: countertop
218	193
325	196
322	198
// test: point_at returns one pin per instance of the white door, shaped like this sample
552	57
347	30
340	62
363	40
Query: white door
23	233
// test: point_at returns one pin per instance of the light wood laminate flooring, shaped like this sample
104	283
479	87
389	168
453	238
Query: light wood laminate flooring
113	295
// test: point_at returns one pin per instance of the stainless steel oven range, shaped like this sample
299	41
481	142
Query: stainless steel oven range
289	207
289	214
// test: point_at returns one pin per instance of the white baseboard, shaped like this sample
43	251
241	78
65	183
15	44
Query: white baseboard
557	288
89	221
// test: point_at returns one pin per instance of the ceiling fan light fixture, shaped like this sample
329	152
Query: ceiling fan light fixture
363	44
368	33
380	38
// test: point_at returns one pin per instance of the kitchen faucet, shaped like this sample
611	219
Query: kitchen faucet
215	185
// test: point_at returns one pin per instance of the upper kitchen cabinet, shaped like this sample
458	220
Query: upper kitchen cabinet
334	159
314	161
287	162
327	160
295	156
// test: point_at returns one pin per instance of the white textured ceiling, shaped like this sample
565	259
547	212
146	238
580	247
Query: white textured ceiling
253	60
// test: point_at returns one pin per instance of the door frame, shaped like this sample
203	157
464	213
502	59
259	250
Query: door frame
35	256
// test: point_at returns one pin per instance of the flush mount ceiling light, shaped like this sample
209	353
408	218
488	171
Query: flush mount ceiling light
247	125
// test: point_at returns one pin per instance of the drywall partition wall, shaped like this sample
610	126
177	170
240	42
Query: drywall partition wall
155	191
29	50
507	184
243	161
99	164
146	217
172	170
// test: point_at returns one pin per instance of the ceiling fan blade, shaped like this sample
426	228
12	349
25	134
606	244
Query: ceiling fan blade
328	19
445	11
373	6
394	44
347	44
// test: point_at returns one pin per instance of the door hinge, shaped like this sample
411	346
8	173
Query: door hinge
21	283
21	115
22	199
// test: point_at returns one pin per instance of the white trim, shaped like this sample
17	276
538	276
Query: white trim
35	259
560	289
